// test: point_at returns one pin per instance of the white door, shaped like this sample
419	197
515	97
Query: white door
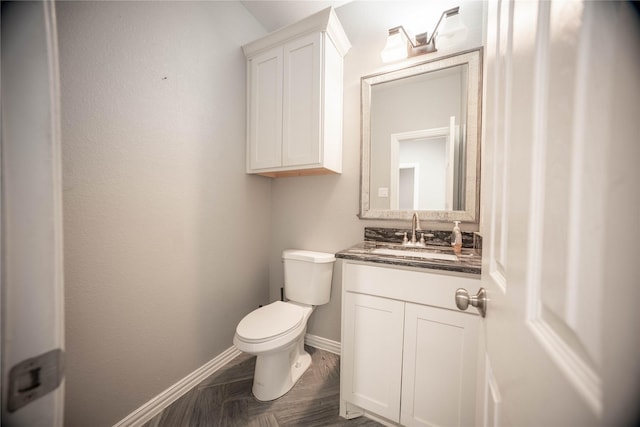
561	199
31	263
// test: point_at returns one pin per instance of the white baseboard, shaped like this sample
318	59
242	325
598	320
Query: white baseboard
156	405
323	344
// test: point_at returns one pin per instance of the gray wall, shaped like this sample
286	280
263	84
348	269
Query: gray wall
166	237
320	213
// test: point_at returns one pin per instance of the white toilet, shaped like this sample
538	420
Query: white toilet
275	332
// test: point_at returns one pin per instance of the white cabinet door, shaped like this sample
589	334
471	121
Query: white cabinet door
439	367
265	114
372	353
301	101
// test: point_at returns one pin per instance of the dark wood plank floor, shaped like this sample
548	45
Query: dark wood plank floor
224	399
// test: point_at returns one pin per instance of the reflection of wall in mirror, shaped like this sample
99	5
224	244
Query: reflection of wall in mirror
408	197
420	102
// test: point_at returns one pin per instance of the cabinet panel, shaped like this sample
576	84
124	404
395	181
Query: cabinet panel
439	367
265	114
301	102
332	107
426	288
294	125
372	353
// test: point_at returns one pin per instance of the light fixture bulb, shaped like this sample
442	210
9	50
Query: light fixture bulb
396	47
453	32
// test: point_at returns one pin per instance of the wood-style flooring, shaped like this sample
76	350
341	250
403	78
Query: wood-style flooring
224	399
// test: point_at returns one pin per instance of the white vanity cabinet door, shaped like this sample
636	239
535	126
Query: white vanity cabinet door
439	367
265	110
408	354
372	353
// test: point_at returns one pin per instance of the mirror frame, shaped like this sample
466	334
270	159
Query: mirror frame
471	214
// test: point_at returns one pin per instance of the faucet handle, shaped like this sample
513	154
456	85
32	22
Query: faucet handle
405	240
422	239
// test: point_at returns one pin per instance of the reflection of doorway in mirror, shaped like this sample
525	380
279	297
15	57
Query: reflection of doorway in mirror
409	186
422	169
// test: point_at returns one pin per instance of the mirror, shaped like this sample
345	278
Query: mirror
420	140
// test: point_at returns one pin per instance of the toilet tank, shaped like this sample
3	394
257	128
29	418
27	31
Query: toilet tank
307	276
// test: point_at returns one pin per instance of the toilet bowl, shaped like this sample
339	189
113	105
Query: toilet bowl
275	333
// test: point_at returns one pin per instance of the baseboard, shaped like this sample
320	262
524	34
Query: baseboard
325	344
156	405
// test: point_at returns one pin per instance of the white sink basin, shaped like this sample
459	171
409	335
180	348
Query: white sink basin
414	254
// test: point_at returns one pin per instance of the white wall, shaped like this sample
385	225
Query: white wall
166	237
320	213
429	155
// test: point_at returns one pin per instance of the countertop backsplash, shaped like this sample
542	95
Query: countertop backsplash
440	238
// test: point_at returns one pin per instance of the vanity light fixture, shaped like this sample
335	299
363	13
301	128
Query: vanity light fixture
399	44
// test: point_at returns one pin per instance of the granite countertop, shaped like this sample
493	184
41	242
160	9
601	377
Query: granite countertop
468	261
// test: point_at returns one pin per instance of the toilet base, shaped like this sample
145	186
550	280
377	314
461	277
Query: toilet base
277	372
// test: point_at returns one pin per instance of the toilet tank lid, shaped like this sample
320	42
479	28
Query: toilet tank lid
309	256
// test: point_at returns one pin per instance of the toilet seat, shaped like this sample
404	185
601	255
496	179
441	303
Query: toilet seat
270	322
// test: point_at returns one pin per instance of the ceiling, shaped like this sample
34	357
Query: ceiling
277	14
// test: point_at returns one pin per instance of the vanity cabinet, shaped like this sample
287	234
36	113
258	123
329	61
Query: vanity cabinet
294	98
408	354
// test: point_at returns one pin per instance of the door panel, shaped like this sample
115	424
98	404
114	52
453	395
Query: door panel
551	115
32	276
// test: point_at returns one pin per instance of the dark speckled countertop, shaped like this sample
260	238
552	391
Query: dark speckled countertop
469	261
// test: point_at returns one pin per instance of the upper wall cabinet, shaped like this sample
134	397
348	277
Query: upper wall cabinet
294	96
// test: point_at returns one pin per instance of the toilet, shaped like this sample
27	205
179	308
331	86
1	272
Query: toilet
275	333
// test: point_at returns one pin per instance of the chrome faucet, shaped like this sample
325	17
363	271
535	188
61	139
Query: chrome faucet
415	225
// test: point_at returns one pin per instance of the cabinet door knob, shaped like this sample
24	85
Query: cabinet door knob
479	301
